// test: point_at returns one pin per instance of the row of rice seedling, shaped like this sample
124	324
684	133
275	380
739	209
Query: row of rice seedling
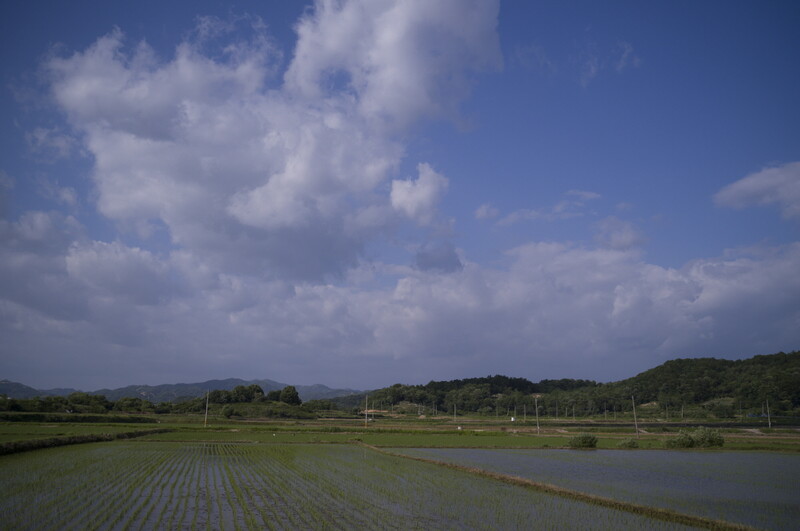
135	485
53	495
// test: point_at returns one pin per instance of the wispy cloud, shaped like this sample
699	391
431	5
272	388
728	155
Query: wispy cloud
594	62
779	185
568	208
66	195
51	144
486	211
614	233
534	57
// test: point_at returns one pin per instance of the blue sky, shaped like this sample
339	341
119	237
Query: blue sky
361	193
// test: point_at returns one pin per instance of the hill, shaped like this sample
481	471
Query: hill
745	383
719	386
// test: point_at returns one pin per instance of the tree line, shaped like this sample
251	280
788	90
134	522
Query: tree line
85	403
717	387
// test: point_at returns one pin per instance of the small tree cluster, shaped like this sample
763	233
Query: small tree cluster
237	395
287	395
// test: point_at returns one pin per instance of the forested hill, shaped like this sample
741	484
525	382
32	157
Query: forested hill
694	381
719	385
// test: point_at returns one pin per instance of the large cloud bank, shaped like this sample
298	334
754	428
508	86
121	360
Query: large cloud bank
268	184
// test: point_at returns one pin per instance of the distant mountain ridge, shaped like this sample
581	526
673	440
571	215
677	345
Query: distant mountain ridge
175	392
745	382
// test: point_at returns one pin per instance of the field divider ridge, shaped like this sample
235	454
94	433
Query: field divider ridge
13	447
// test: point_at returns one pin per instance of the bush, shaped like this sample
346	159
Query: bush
583	441
683	440
700	438
706	437
628	443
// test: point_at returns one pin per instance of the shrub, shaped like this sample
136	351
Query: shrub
583	441
702	437
628	443
706	437
683	440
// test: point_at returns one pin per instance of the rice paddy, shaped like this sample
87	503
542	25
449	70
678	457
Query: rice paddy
167	485
295	476
755	489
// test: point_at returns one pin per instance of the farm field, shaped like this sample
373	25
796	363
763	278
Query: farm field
413	436
299	474
751	488
148	485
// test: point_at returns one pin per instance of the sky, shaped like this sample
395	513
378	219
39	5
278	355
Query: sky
364	192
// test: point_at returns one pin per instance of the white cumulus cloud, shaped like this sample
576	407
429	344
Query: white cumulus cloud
286	176
417	199
249	201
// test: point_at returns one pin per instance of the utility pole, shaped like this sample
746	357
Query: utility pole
366	410
635	423
536	401
769	419
205	422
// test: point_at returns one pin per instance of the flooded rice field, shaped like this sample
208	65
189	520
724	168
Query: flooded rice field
162	485
758	489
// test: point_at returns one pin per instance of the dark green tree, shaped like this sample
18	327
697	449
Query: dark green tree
254	391
273	396
289	396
